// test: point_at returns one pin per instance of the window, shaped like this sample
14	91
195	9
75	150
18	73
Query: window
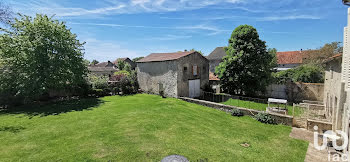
185	69
195	70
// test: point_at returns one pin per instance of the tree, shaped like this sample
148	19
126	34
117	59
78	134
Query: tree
94	62
197	51
137	59
39	55
86	62
273	53
319	55
247	66
120	64
5	13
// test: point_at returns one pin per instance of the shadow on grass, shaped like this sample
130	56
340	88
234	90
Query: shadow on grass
55	108
12	129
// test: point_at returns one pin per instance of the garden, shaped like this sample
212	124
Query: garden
139	127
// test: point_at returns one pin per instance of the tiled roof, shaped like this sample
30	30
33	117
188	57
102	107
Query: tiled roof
103	64
212	76
165	56
339	55
290	57
101	69
217	54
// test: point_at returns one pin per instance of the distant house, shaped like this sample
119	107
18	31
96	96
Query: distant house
103	68
214	82
289	59
215	58
127	60
180	74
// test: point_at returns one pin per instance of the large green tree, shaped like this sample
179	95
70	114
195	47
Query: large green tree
247	67
38	55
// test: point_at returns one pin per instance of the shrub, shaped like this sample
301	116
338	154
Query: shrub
100	92
98	82
237	112
305	73
265	118
122	72
127	84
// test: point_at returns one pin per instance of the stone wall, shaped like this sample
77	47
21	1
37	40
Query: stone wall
322	126
155	76
185	75
334	93
280	119
296	92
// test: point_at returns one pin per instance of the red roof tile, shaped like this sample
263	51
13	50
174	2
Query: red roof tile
165	56
212	76
290	57
333	57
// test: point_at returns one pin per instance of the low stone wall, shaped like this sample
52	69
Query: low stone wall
280	119
322	126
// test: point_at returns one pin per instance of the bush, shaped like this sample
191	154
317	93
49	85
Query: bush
127	84
305	73
122	72
100	92
237	112
98	82
265	118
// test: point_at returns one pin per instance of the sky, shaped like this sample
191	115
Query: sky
133	28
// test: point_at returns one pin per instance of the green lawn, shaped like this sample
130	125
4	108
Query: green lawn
139	128
259	106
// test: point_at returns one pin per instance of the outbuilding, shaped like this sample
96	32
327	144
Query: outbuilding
180	74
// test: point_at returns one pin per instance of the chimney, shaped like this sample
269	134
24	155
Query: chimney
301	50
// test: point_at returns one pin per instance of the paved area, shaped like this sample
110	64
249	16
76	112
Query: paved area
312	155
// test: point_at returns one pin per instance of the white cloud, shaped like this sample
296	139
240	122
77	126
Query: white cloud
113	6
289	17
107	50
170	37
212	29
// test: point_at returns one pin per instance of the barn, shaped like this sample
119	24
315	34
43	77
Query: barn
179	74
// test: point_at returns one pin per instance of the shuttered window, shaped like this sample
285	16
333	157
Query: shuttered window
195	70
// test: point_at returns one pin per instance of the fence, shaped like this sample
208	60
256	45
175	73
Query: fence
244	102
303	113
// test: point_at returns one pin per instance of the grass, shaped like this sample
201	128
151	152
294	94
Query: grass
139	128
260	106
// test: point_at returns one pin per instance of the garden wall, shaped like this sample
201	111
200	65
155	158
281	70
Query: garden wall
280	119
296	92
322	126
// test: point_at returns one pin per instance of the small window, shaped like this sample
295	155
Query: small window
195	70
185	68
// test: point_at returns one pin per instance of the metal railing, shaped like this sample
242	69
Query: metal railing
234	100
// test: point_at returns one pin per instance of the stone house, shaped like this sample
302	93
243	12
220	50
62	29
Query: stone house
215	58
180	74
104	68
333	88
127	60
